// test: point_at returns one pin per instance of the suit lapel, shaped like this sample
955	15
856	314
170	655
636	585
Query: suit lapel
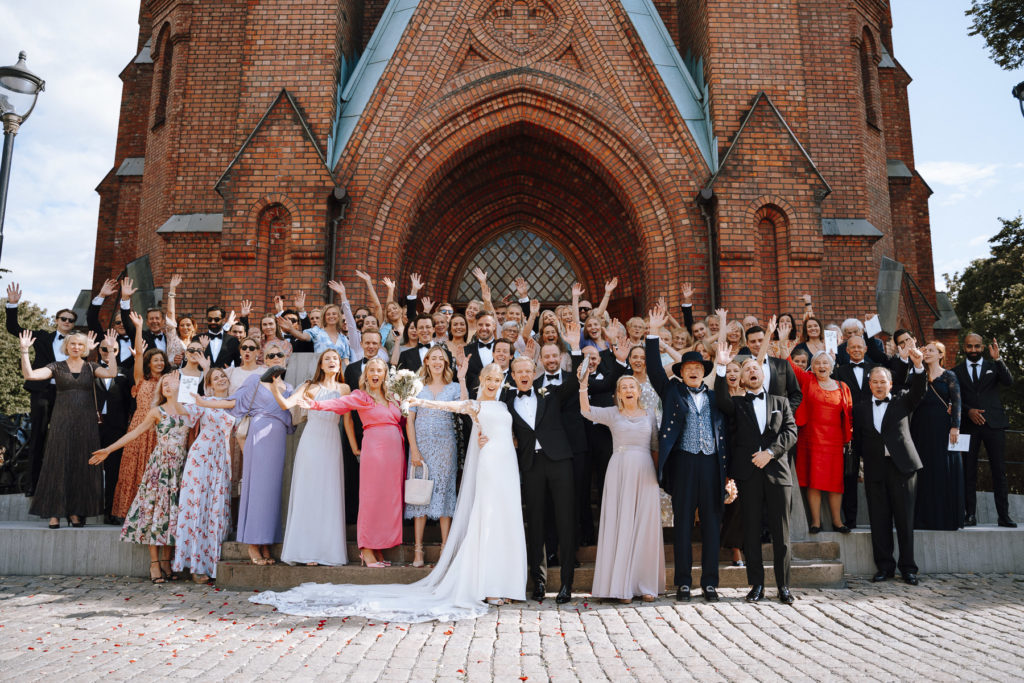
541	405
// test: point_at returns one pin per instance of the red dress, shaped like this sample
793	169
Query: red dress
381	468
825	419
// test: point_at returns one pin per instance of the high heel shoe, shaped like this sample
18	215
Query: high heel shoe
156	579
55	525
79	524
417	558
372	565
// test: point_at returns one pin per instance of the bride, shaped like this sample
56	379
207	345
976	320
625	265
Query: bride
484	560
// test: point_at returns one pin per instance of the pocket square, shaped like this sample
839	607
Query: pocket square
775	412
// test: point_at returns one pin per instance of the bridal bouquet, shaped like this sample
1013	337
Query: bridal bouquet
401	386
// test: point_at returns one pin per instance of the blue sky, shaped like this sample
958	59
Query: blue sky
968	133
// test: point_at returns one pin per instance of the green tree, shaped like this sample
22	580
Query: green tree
13	397
988	296
1001	24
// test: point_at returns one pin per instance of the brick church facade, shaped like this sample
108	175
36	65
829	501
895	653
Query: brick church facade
757	150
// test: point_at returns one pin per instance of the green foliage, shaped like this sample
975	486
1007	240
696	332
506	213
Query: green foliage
988	297
1001	24
13	398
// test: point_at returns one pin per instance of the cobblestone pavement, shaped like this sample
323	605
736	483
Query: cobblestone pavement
950	627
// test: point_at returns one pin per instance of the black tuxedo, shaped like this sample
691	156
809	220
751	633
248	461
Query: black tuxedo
352	373
229	354
545	470
985	395
783	383
114	400
410	358
770	486
148	335
859	391
890	481
476	365
696	480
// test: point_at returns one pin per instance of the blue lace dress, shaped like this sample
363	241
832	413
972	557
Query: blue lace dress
435	437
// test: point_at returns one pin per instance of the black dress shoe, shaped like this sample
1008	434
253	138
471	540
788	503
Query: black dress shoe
843	529
564	595
911	578
739	563
112	520
756	594
970	520
1008	523
682	594
785	597
815	530
880	576
710	594
29	493
538	591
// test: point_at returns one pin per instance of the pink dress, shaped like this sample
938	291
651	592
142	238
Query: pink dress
381	468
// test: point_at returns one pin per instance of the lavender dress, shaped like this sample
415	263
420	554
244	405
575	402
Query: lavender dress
259	510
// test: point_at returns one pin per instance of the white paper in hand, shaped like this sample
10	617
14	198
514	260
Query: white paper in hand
872	326
188	385
831	341
963	443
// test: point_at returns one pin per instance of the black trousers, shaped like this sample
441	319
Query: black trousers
891	503
584	514
109	433
757	494
599	441
995	448
40	409
555	477
850	482
696	485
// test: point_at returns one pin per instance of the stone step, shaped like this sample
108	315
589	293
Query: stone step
241	575
32	549
14	508
801	550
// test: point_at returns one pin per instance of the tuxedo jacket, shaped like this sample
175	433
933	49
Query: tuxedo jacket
859	391
895	434
783	383
984	394
410	358
548	427
147	334
572	418
228	355
601	383
746	438
353	371
476	365
676	412
118	399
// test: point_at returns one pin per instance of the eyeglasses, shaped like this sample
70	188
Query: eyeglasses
247	348
360	316
65	319
212	319
270	356
447	311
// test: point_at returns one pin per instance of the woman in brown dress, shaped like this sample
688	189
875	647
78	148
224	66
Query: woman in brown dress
133	460
67	486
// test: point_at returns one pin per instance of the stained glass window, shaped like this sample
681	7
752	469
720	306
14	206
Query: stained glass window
515	253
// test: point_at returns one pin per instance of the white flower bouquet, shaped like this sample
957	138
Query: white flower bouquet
402	385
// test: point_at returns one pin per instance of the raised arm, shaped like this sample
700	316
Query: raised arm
531	322
25	340
288	402
652	354
609	287
13	297
294	330
140	346
462	407
687	307
147	423
723	401
485	289
376	308
577	292
172	287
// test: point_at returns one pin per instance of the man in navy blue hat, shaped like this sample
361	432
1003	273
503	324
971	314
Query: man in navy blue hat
691	460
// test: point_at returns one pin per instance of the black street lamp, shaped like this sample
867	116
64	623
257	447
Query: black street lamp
19	89
1018	92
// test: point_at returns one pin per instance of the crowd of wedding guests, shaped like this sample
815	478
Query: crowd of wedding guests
177	431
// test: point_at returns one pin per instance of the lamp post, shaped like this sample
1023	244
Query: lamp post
1018	92
19	89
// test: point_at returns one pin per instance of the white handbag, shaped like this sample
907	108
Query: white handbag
418	491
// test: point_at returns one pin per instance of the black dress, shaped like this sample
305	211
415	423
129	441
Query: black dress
940	484
68	484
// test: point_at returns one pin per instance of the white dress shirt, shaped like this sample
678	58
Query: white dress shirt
974	370
553	382
760	408
858	373
215	345
526	406
878	413
486	354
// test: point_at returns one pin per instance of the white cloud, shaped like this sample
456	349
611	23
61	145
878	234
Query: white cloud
956	173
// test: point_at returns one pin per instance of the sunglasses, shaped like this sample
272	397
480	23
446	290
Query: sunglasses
118	323
199	350
247	348
447	311
211	319
274	355
65	319
104	349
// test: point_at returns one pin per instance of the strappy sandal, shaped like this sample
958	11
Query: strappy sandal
156	579
417	552
256	558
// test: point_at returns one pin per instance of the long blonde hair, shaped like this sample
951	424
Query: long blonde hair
446	374
362	377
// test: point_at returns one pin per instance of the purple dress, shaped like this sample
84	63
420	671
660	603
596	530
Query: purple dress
259	510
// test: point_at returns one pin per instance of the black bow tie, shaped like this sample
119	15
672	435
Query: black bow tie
857	365
754	397
553	377
521	394
486	345
215	335
423	346
880	401
123	337
59	337
697	390
159	336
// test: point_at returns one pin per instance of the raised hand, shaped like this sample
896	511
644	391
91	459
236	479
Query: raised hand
416	281
722	314
577	290
25	340
479	274
687	292
176	280
531	347
807	299
905	349
534	307
109	288
521	287
657	318
135	318
993	350
572	334
246	307
111	339
463	364
128	288
279	304
610	285
785	327
92	341
427	304
13	293
662	303
365	277
230	321
722	355
204	339
773	324
338	288
916	355
299	300
388	282
144	347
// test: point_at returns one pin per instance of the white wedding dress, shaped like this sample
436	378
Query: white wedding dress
485	555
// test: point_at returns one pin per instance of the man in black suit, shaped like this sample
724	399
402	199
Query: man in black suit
854	375
545	465
352	426
113	398
42	394
691	462
762	430
480	351
125	359
153	335
980	382
874	348
412	359
779	378
891	462
223	348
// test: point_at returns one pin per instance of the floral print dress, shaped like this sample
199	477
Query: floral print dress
153	516
204	503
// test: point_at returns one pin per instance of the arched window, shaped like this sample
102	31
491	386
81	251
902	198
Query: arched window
771	227
868	69
520	253
273	229
166	54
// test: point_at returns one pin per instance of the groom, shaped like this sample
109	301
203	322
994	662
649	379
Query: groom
545	464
